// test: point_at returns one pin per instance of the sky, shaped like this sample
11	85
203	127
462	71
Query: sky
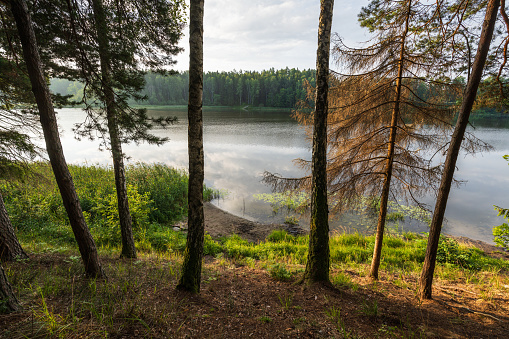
256	35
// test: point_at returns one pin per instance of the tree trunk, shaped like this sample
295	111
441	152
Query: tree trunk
10	248
384	197
8	300
426	279
48	119
124	216
191	268
318	260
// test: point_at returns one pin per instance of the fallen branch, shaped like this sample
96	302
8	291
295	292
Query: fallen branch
469	310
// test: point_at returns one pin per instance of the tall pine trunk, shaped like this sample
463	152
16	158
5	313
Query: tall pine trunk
48	120
191	268
124	216
426	279
8	300
10	248
318	260
384	197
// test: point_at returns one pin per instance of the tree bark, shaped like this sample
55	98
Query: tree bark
48	120
8	300
10	248
318	260
124	215
191	268
426	279
384	197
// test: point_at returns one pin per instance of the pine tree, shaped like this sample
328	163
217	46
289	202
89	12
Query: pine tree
111	43
8	301
193	255
318	260
48	120
108	98
426	279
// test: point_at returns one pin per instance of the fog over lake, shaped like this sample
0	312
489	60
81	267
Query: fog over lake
240	145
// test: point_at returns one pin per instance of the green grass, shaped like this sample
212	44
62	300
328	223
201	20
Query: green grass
158	198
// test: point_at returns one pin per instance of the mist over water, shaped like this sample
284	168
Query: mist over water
240	145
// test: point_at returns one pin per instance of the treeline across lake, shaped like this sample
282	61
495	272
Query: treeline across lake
272	88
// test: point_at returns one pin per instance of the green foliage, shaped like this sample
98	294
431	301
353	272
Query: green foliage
280	236
451	253
341	280
106	220
37	212
501	233
157	195
211	247
166	188
280	272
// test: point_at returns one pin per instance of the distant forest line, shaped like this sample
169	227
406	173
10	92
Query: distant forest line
272	88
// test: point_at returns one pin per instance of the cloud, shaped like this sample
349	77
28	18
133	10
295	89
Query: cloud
261	34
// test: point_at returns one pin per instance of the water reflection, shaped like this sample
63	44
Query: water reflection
241	145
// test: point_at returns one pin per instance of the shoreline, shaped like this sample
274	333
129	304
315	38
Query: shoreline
219	222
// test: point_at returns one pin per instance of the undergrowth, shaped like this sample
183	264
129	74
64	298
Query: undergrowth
157	197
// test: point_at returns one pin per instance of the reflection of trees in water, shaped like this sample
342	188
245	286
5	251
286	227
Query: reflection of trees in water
500	120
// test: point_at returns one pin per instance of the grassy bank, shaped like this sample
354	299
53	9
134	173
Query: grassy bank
157	198
247	288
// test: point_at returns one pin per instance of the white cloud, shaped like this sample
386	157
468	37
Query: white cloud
260	34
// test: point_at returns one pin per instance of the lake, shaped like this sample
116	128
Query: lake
240	145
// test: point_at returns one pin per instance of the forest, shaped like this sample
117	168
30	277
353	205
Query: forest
273	88
136	249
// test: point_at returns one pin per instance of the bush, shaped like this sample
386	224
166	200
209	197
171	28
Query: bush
166	187
279	272
501	233
156	193
450	252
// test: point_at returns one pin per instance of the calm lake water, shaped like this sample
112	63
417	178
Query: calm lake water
241	145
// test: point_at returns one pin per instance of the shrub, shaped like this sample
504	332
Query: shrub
279	236
501	233
279	272
450	252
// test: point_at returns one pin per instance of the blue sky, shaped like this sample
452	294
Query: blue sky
260	34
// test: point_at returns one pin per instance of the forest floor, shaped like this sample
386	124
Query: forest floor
240	299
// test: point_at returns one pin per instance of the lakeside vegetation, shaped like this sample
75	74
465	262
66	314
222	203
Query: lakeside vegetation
157	196
158	199
63	304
